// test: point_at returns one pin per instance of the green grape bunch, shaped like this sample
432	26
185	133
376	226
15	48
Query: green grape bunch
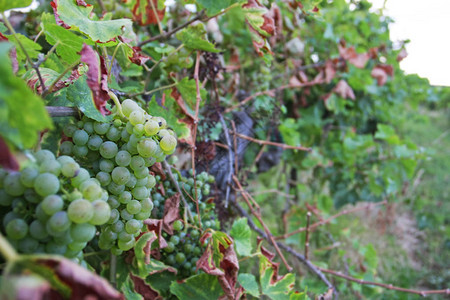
183	246
52	206
119	154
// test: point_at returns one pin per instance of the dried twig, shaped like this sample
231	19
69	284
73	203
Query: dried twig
344	212
166	35
230	159
308	218
384	285
262	142
257	214
288	249
62	111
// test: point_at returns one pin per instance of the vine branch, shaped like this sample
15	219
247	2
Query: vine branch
262	142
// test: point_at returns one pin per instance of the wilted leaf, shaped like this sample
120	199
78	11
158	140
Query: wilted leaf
171	212
143	12
381	73
138	57
141	287
7	159
97	78
194	37
344	90
359	60
241	234
198	287
78	17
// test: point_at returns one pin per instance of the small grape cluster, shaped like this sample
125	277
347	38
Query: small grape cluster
56	206
183	247
119	154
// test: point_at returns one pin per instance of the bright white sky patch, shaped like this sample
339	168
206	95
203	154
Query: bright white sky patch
426	24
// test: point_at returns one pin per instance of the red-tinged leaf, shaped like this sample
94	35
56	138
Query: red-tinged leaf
138	57
82	3
83	283
206	263
171	212
97	78
181	103
12	54
402	55
143	12
269	255
315	9
142	288
260	31
156	226
57	18
190	125
344	90
381	73
3	38
349	54
74	75
7	159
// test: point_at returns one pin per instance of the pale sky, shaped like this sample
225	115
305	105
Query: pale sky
427	24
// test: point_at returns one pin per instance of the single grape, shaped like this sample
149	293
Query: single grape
59	222
50	166
106	165
76	246
175	240
168	143
89	127
117	227
137	117
133	226
69	130
151	127
54	248
125	215
104	178
80	137
133	207
101	128
92	191
80	211
113	134
169	248
115	215
137	163
125	246
63	238
108	149
138	130
28	245
43	155
140	193
115	189
38	230
80	151
82	232
16	229
52	204
13	185
147	147
70	169
116	251
113	202
102	212
28	175
125	197
141	174
120	175
147	205
142	215
178	225
46	184
123	158
128	106
94	142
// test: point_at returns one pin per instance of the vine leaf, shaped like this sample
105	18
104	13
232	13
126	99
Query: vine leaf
32	47
381	73
194	37
142	288
17	101
12	55
138	57
97	78
198	287
7	160
248	282
213	6
8	4
77	17
171	212
69	44
241	234
49	76
359	60
143	12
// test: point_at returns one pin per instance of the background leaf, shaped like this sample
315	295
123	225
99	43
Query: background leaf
198	287
241	234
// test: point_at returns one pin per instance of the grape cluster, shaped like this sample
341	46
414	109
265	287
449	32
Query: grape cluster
183	247
119	154
52	206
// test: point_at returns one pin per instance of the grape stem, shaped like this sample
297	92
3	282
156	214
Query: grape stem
117	103
8	252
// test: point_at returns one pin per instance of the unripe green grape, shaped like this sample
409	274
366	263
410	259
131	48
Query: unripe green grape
168	143
65	159
132	149
105	244
37	230
125	246
28	175
151	181
89	127
117	226
137	117
133	207
59	222
140	193
170	247
171	259
151	127
43	155
147	147
101	128
50	166
28	245
129	128
175	240
102	212
161	122
46	184
116	251
80	211
146	205
117	123
114	217
137	163
124	135
108	150
163	133
76	246
106	165
104	178
113	134
142	174
94	142
80	137
142	215
52	204
142	181
120	175
82	232
5	199
125	197
63	238
16	229
69	130
133	226
128	106
123	158
70	169
134	139
138	130
180	257
125	215
53	248
132	182
188	248
115	189
80	151
149	161
178	225
125	236
13	185
92	192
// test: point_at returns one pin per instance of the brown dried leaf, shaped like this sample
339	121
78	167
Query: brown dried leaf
349	54
7	159
381	73
141	287
171	212
330	71
156	226
344	90
148	16
138	57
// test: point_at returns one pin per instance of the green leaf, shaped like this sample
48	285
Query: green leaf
69	44
188	91
198	287
213	6
22	113
31	47
78	17
10	4
241	234
194	37
168	113
79	94
248	282
219	239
